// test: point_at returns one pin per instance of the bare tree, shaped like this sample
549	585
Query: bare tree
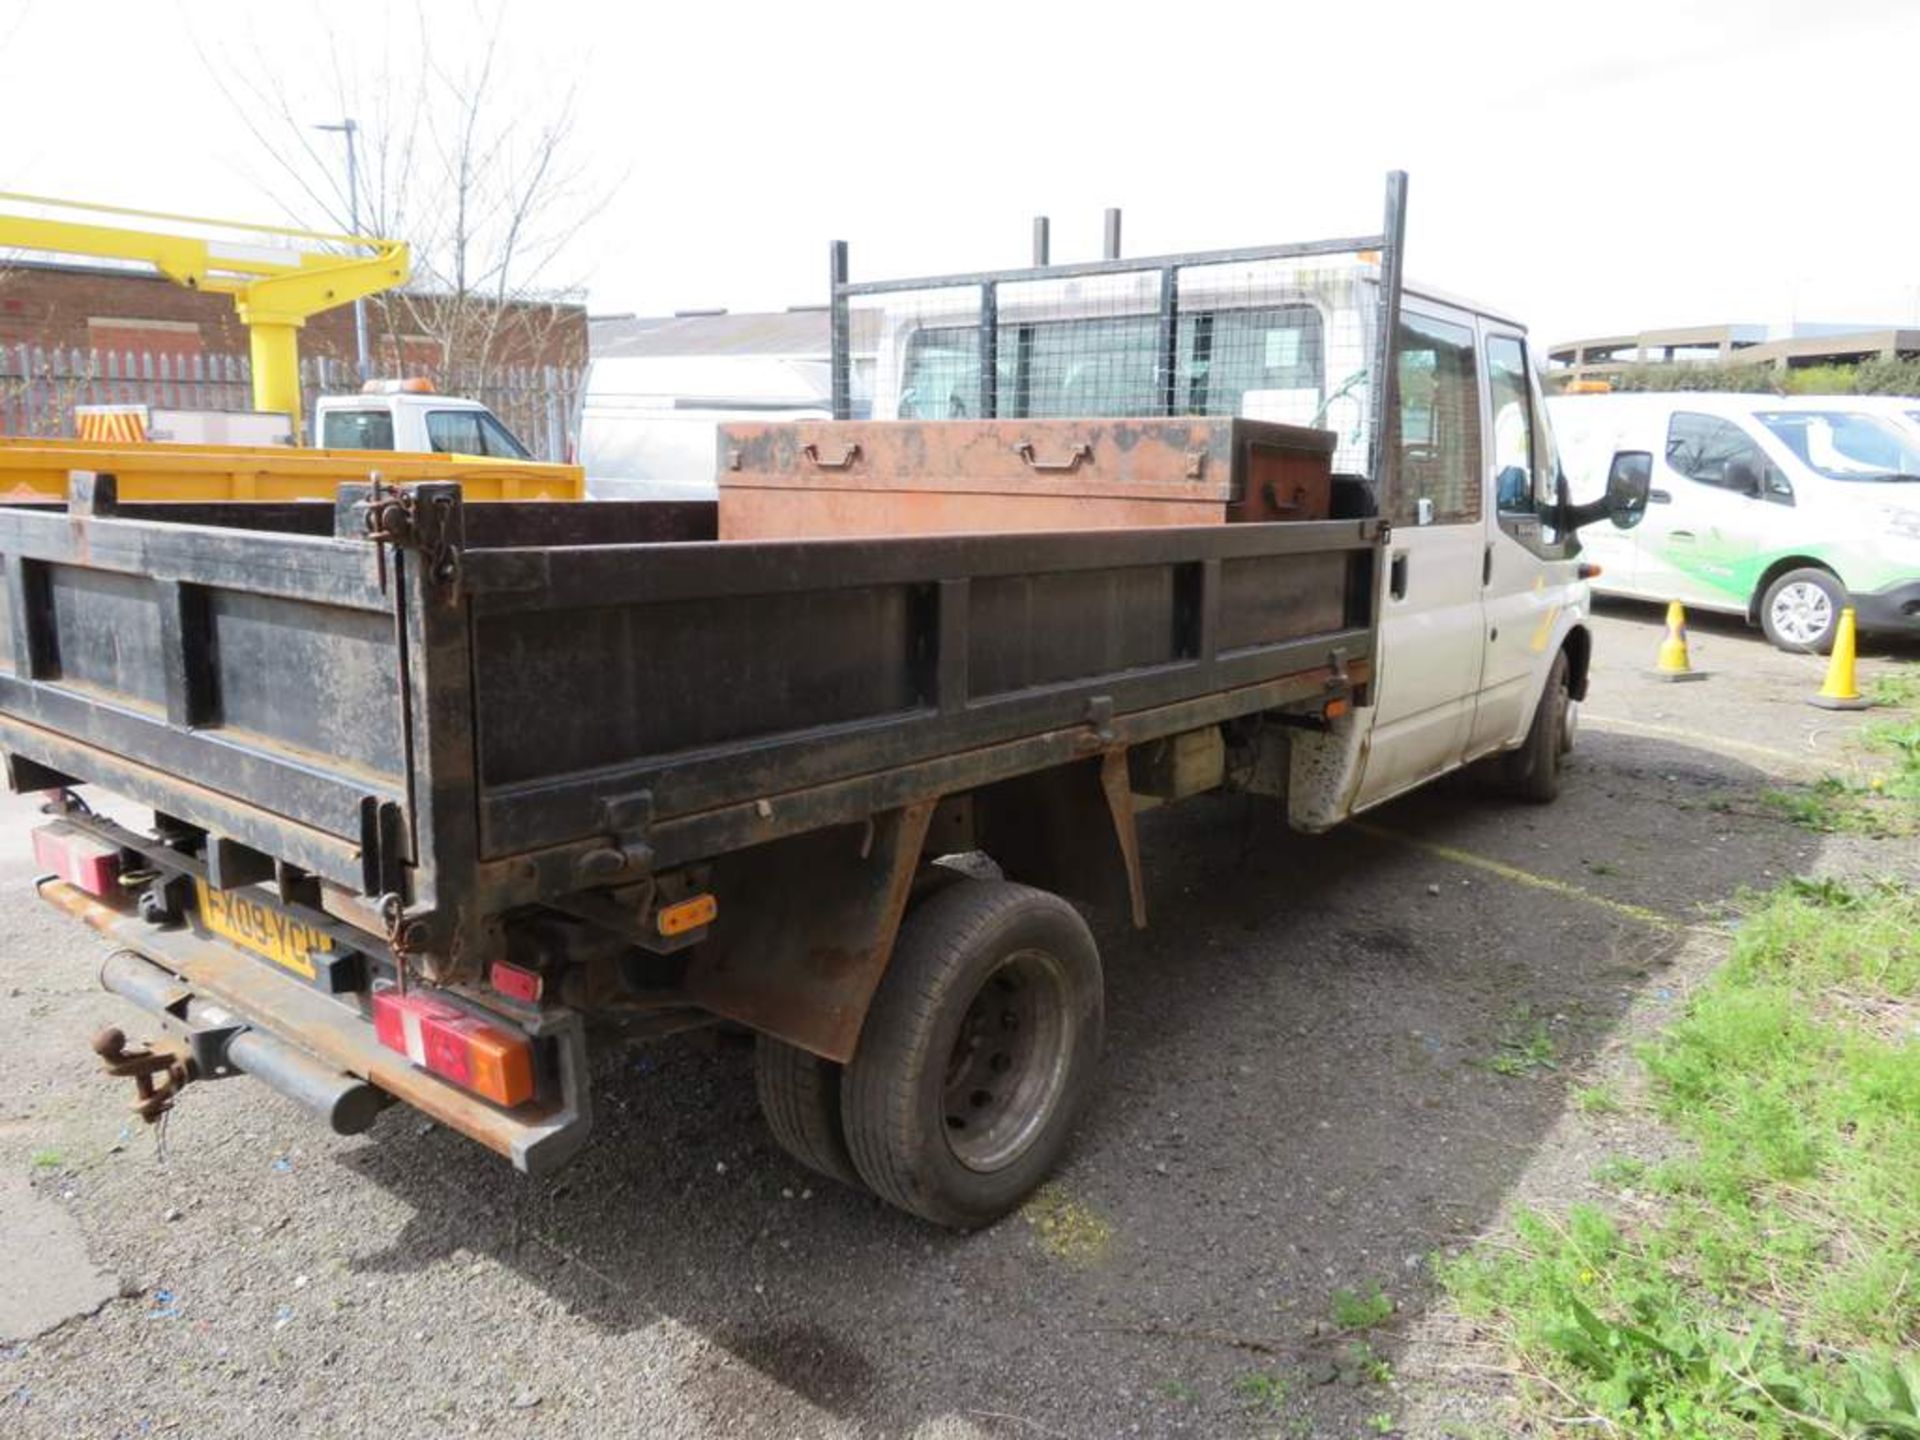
464	155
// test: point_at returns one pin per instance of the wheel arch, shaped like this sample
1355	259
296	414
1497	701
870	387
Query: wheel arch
1778	568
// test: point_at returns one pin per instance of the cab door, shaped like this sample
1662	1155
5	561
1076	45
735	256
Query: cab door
1430	647
1524	565
1712	488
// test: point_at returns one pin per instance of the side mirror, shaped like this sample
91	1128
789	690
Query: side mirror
1629	480
1741	478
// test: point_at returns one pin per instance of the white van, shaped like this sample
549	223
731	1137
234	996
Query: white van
1783	509
649	423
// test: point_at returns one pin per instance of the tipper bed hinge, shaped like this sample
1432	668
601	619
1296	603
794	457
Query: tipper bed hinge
422	518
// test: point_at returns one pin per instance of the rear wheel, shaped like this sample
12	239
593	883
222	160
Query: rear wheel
800	1098
1801	611
977	1053
1533	771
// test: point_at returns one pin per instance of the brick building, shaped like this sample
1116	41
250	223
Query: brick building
88	308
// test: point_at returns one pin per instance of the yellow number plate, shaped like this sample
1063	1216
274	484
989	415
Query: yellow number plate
250	924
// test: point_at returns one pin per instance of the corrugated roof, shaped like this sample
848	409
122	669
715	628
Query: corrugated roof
787	334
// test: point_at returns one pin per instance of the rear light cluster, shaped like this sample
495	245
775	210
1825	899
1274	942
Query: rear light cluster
77	858
489	1060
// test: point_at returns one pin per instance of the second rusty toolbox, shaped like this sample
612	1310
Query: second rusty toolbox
800	479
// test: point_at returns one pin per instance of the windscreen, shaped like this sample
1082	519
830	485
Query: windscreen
1846	445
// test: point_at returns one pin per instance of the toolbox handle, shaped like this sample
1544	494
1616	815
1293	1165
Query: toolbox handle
847	456
1082	451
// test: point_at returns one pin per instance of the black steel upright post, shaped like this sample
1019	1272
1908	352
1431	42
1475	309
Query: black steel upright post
1168	361
1393	240
840	363
989	350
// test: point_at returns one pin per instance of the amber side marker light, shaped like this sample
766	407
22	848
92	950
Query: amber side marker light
684	915
1334	709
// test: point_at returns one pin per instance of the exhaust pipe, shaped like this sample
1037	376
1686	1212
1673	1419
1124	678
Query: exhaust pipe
347	1103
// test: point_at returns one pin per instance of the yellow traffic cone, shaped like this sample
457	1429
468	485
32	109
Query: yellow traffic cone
1841	690
1673	663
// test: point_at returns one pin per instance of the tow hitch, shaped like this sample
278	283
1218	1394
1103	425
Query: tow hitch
210	1042
159	1072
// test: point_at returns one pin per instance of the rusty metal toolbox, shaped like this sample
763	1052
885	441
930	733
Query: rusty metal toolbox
820	478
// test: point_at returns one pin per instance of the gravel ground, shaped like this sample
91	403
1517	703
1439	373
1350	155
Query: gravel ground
1298	1097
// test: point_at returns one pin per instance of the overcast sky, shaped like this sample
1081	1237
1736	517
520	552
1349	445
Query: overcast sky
1593	168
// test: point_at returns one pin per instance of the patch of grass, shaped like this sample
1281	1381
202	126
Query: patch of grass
1179	1390
1897	689
1620	1171
48	1159
1599	1099
1261	1390
1067	1229
1832	806
1774	1291
1382	1423
1525	1047
1358	1310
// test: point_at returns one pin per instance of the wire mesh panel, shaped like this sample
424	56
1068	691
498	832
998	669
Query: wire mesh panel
1289	333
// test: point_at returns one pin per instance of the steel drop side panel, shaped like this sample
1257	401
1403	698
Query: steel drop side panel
464	722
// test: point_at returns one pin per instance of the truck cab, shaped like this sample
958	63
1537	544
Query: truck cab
410	417
1483	604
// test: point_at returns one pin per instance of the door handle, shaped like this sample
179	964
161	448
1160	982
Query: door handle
1659	497
1397	577
1680	535
1486	566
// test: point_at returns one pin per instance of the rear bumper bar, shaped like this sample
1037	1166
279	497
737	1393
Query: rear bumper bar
314	1050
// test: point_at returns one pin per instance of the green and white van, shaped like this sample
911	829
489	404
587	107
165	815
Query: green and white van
1783	509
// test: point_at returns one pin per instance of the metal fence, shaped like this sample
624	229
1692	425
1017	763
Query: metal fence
40	385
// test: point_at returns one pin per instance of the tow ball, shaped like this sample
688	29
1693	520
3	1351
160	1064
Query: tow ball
159	1071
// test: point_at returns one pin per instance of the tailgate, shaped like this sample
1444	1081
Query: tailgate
235	673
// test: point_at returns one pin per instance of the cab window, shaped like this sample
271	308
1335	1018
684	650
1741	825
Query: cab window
356	430
1439	423
455	432
1716	452
501	441
1515	446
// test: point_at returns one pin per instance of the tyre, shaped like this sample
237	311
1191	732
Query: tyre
1533	771
977	1053
800	1098
1800	611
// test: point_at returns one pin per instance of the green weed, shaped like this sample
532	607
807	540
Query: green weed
1599	1099
1525	1047
1897	689
1354	1310
1261	1390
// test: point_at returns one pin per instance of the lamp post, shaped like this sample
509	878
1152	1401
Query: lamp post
350	129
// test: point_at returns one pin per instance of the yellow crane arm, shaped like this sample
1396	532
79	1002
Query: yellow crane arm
275	286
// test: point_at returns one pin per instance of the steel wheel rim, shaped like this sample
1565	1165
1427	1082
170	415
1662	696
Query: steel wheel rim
1008	1066
1802	612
